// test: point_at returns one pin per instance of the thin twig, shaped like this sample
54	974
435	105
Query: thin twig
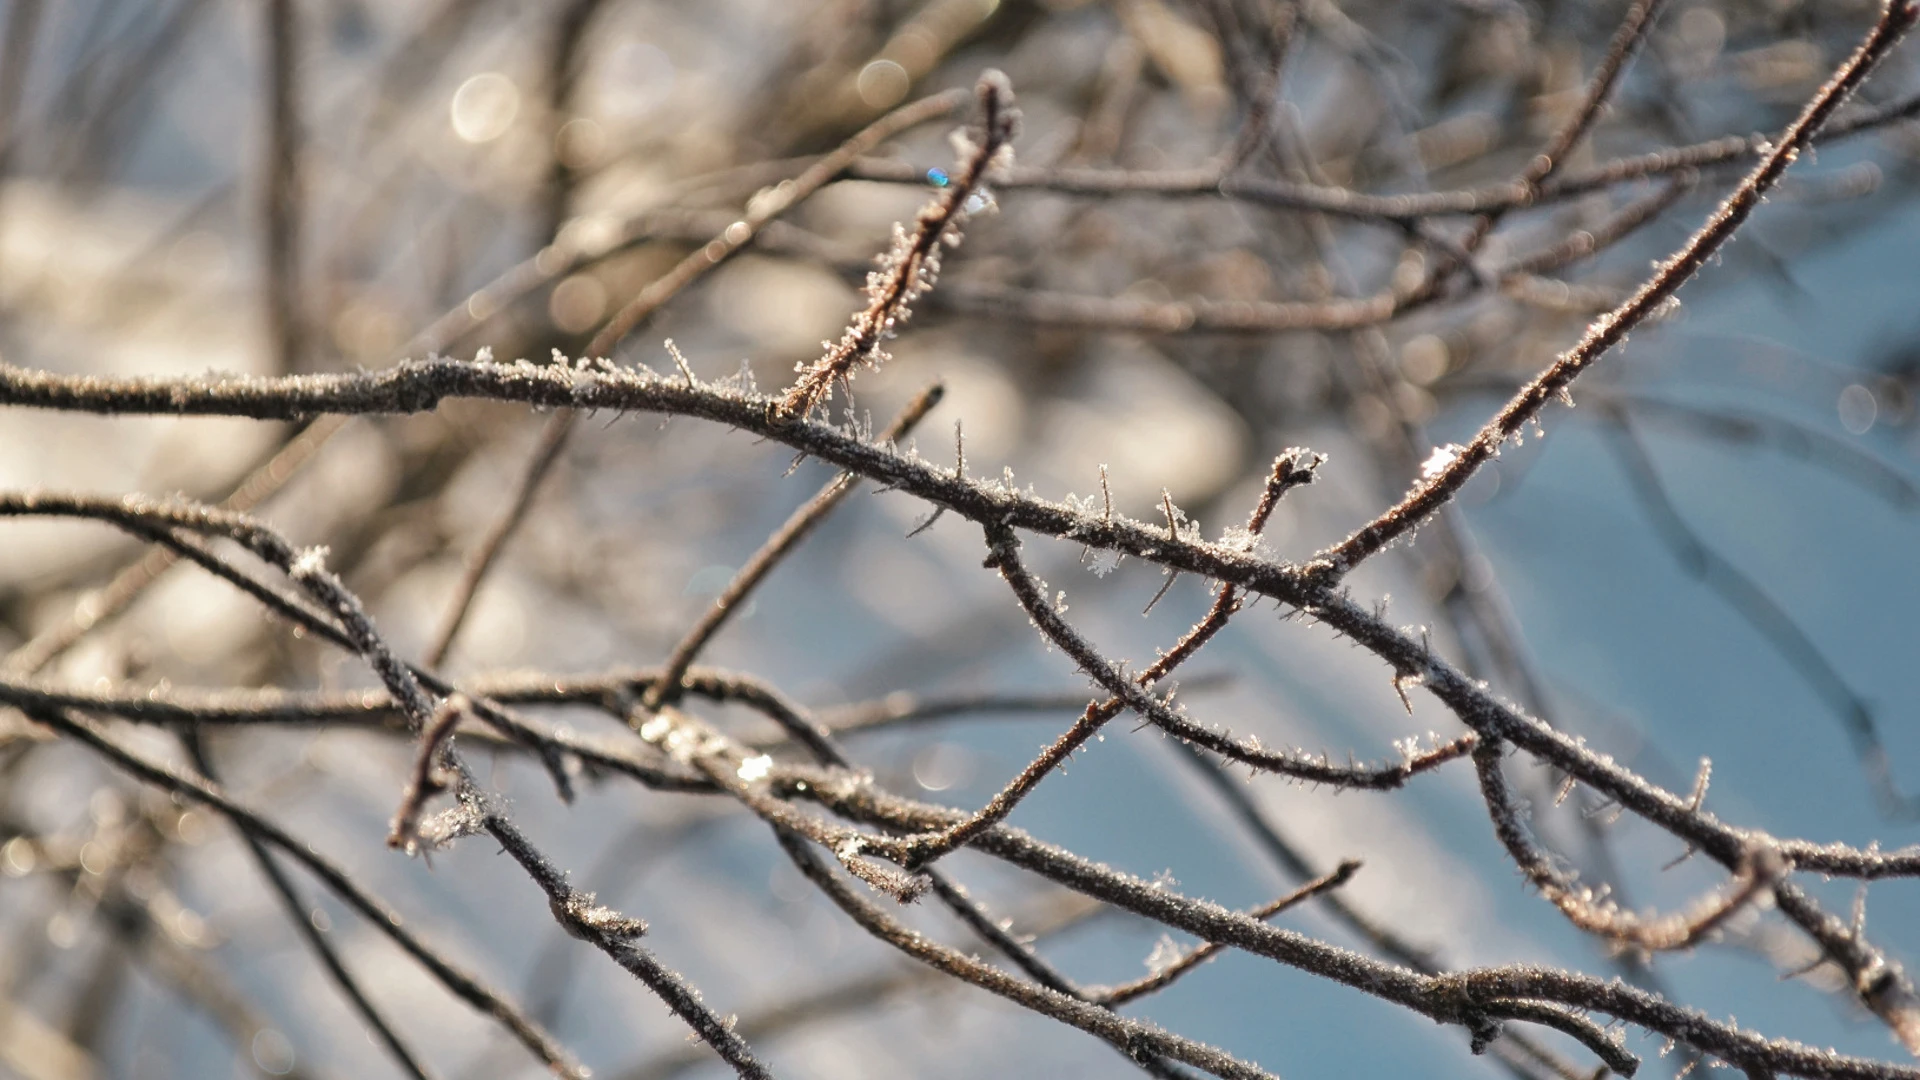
784	539
911	265
480	558
1164	975
1588	909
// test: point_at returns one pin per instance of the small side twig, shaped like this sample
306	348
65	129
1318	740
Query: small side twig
424	782
913	263
1590	911
788	536
480	559
1290	470
1165	975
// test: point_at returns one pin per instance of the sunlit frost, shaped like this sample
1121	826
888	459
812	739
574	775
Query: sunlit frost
1440	460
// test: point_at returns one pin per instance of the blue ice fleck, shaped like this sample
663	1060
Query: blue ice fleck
938	177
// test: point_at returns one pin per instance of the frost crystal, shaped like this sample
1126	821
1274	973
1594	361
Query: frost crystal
741	381
860	428
1242	539
310	562
1105	562
441	829
1166	953
756	768
1440	460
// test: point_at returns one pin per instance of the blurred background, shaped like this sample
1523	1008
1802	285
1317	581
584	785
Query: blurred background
1710	557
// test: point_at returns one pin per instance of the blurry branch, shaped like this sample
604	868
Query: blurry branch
1518	279
567	254
461	984
566	57
107	88
1844	458
473	570
902	709
202	984
108	877
132	581
1588	242
1633	30
16	56
1759	610
1396	211
409	69
1438	487
302	918
282	205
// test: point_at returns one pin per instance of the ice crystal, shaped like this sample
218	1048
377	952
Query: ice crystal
1440	460
1243	539
1166	953
309	563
